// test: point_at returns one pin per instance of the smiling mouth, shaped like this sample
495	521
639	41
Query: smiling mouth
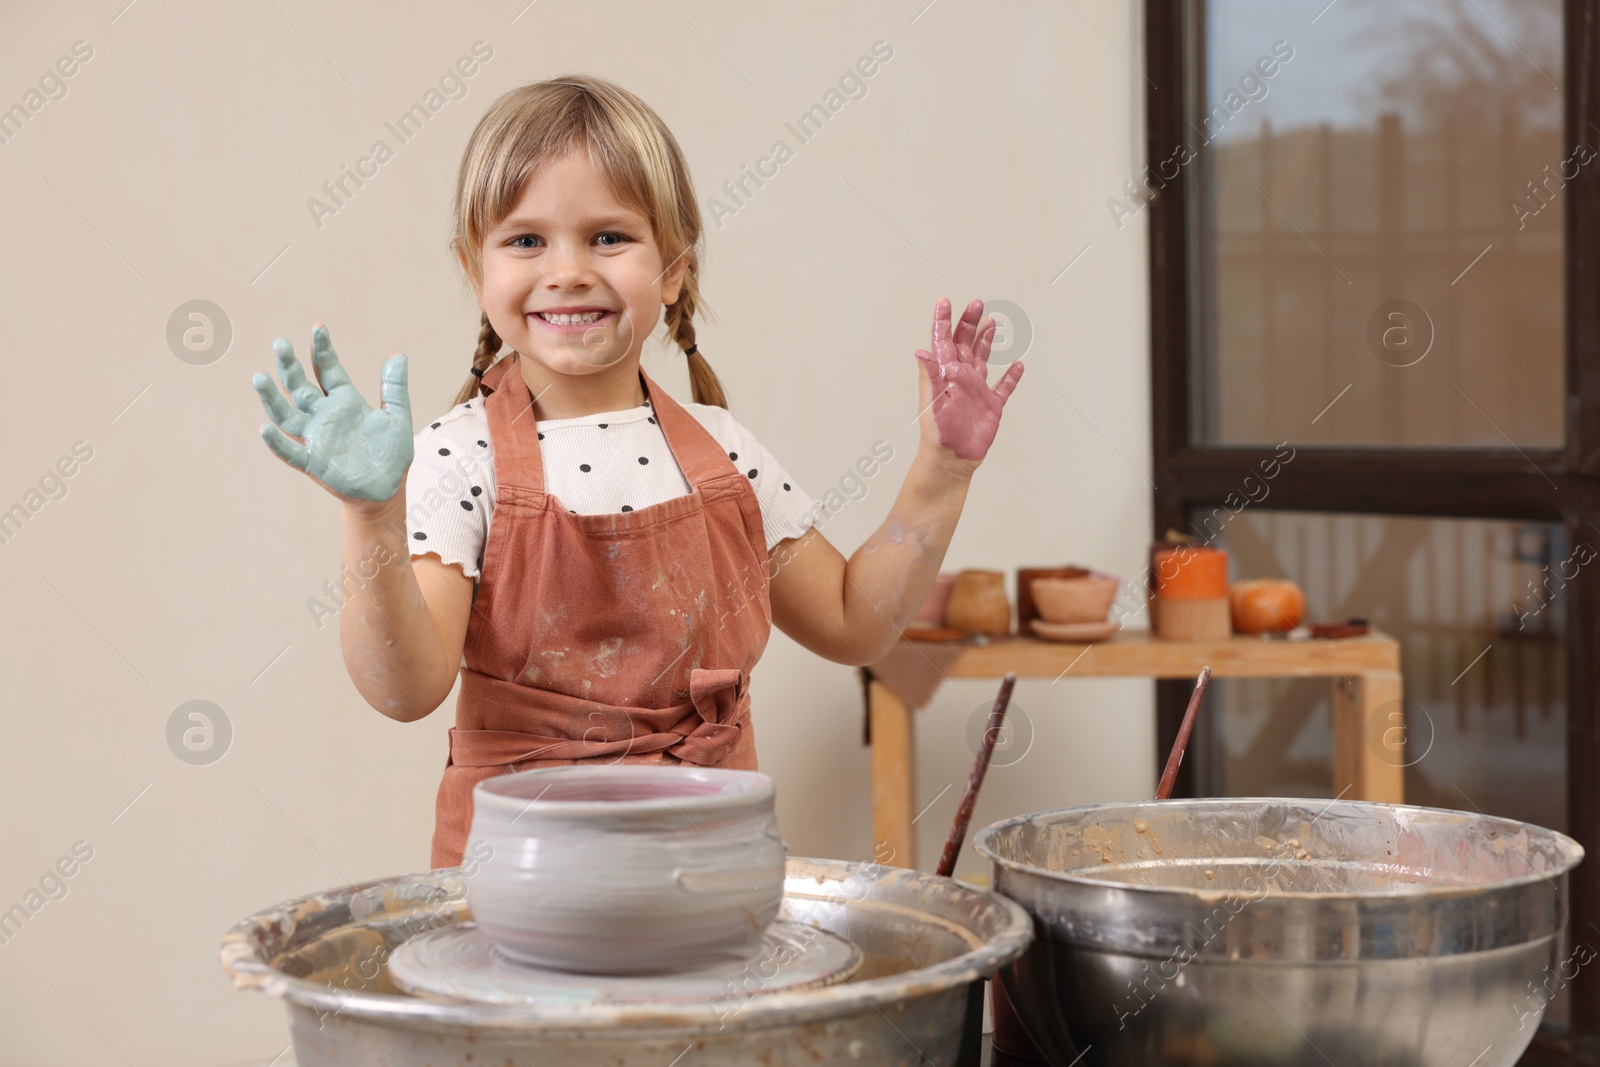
587	318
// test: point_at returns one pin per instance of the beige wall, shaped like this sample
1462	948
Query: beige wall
179	563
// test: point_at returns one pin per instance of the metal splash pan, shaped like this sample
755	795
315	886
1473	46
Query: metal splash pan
927	945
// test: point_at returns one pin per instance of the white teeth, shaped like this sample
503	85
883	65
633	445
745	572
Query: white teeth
569	320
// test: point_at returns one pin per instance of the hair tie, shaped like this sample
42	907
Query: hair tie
477	373
692	349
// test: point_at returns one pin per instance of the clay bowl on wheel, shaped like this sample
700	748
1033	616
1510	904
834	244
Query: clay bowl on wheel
625	868
1251	932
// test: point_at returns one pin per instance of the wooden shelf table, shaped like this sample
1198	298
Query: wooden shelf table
1368	719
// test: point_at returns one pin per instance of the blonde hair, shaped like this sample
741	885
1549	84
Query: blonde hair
641	161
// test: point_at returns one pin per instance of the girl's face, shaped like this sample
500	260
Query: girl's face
571	251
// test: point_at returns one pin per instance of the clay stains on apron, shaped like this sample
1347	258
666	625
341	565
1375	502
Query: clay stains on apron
625	637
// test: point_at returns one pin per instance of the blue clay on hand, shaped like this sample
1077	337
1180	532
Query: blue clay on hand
331	433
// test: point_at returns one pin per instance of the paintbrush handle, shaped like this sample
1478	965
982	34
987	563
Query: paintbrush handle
1175	758
958	831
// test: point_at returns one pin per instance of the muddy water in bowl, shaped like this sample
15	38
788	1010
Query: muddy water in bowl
628	869
1270	931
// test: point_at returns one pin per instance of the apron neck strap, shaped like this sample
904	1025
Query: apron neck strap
512	429
515	432
698	453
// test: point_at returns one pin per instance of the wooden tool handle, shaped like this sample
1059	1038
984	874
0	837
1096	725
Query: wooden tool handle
958	832
1175	758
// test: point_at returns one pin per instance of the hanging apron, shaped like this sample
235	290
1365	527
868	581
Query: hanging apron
622	638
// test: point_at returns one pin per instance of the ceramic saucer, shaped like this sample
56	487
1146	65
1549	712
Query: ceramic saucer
459	962
1074	631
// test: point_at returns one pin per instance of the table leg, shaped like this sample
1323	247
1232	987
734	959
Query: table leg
893	777
1369	737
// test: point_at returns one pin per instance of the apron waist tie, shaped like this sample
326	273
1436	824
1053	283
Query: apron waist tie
704	730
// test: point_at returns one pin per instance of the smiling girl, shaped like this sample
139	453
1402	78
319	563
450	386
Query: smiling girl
600	564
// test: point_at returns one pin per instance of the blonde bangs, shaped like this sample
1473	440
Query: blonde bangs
530	125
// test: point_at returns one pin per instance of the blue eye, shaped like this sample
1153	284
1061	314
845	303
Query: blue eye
514	242
618	236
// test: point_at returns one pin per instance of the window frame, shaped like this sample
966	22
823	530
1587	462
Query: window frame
1441	483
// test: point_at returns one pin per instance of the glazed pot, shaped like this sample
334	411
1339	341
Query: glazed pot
1191	586
625	868
1069	600
978	603
1190	572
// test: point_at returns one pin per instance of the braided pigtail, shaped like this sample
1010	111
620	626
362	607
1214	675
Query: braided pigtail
482	360
680	323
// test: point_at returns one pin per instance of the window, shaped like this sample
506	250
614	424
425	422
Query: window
1375	235
1381	198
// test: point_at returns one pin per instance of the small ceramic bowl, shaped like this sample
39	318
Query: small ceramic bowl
1070	600
625	868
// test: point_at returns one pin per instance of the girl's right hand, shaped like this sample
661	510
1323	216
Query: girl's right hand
358	453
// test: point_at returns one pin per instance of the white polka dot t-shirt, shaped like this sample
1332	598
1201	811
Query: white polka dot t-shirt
599	464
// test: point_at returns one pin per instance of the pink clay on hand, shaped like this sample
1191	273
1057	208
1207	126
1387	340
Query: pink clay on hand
965	410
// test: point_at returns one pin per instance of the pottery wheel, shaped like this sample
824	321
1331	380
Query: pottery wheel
459	962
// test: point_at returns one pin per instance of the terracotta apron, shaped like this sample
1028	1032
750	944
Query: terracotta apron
622	638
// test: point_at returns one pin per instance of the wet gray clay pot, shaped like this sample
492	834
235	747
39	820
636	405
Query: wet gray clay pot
625	868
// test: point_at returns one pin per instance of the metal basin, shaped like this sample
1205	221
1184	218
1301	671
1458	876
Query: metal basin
1273	931
928	944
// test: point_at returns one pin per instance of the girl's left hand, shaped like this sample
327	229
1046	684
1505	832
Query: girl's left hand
959	410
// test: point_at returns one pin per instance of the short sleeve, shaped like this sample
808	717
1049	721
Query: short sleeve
787	510
450	489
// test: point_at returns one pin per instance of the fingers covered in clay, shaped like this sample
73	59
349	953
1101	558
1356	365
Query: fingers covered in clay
966	328
284	415
355	451
293	376
396	398
1008	381
965	410
985	341
285	448
330	374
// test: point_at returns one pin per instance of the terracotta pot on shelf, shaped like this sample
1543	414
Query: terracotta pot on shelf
1191	593
1079	599
978	603
1027	610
